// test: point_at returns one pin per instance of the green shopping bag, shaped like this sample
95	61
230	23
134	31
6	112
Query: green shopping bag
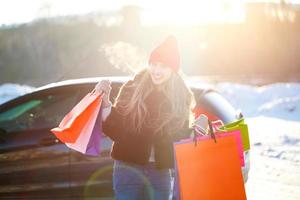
243	127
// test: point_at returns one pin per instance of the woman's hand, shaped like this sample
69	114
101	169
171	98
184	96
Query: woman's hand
200	124
105	87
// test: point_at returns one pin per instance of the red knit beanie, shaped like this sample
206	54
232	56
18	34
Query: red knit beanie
167	53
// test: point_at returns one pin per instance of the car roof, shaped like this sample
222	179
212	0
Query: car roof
90	80
193	83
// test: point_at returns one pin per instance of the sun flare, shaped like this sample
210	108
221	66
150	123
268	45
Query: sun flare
195	12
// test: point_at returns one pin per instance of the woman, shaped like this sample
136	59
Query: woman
150	113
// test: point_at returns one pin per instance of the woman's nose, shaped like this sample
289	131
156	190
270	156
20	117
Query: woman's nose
156	70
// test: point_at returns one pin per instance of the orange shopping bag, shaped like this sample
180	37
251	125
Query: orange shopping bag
72	124
208	169
81	144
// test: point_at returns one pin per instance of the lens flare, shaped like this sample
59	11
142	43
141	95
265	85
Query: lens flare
108	170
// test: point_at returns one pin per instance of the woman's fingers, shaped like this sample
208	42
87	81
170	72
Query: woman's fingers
201	123
103	86
106	87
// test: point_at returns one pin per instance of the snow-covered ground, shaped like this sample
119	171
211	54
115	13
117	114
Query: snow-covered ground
273	115
280	100
274	159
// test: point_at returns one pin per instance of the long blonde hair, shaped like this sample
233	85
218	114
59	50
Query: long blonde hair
177	93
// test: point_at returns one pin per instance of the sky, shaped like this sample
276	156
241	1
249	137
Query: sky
154	11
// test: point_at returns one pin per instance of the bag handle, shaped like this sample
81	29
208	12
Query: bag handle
211	133
217	124
211	130
94	91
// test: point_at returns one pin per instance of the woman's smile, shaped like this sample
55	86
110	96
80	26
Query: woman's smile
156	77
159	73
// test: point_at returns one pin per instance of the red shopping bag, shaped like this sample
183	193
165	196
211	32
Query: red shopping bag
83	140
209	169
72	124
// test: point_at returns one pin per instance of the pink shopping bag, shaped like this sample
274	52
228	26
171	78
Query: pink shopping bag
72	124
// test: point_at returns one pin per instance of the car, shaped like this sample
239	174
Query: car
34	164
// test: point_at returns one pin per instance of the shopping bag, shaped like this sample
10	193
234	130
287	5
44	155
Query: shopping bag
214	126
238	138
176	190
93	148
243	127
88	141
208	169
72	124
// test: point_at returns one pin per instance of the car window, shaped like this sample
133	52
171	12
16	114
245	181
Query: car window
15	112
38	113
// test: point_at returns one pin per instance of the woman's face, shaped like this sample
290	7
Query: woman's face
160	73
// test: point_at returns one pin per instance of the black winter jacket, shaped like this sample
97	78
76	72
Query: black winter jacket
133	147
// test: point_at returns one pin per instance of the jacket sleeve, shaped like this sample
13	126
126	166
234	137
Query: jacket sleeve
113	126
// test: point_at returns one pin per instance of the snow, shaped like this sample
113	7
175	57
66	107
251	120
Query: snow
9	91
280	100
272	113
275	159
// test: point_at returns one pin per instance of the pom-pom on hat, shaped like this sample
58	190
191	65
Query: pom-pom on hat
167	53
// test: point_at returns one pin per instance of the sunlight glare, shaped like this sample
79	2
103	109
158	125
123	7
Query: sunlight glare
191	13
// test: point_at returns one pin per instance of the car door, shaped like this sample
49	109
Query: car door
91	177
33	163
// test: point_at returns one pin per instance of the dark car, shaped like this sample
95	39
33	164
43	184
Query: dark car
34	164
